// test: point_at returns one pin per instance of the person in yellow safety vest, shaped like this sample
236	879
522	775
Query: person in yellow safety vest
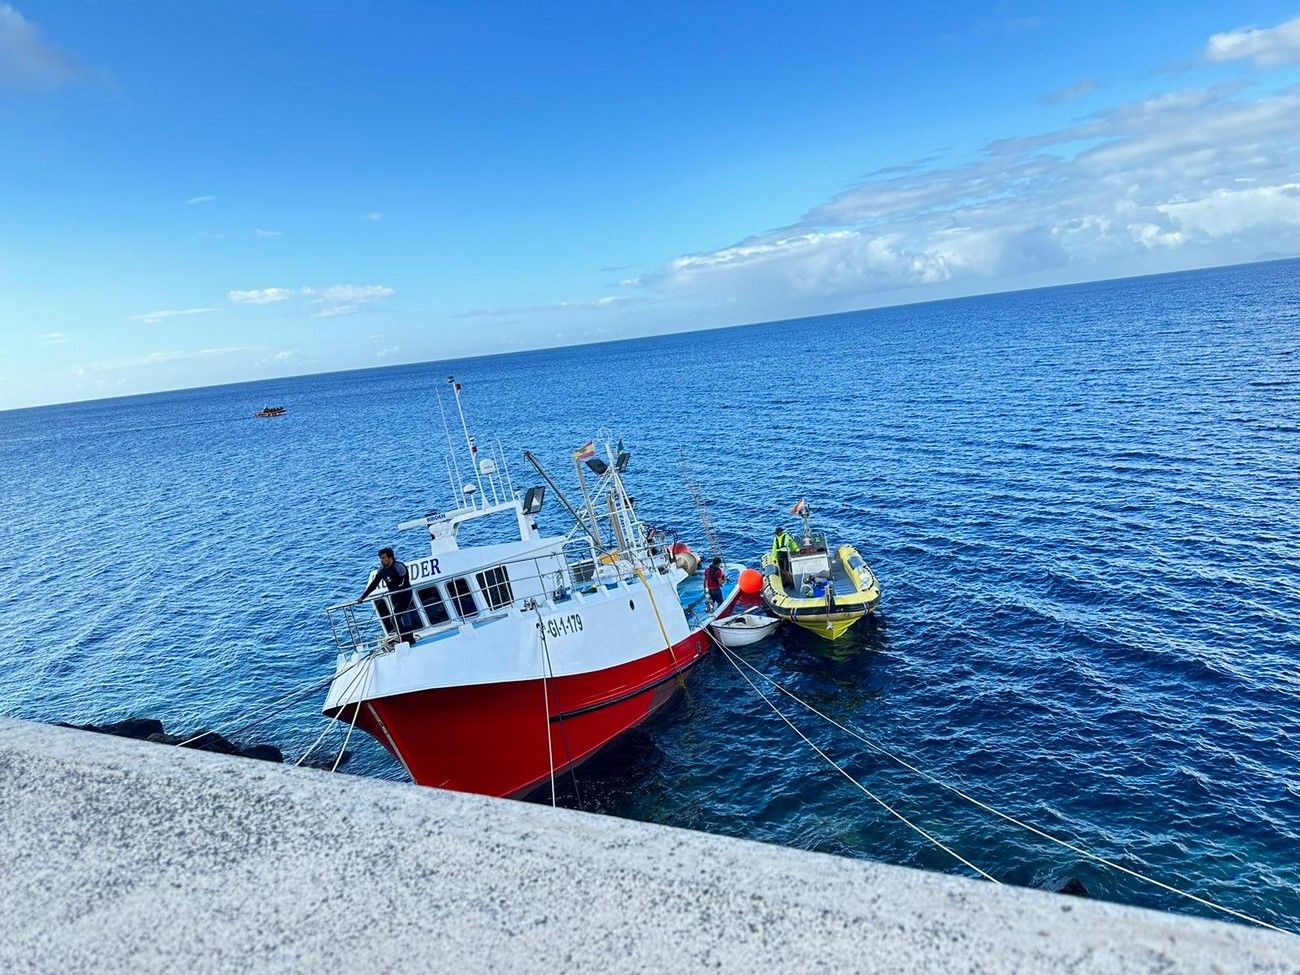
782	541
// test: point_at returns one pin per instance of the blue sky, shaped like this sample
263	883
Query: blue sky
204	193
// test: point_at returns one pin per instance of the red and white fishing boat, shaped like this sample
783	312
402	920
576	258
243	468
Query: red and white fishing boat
520	658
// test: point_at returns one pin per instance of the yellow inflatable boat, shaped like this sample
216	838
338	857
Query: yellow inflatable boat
823	594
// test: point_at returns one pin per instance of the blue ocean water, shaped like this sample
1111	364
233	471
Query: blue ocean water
1083	503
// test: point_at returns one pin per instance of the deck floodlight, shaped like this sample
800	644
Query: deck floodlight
597	465
621	463
533	499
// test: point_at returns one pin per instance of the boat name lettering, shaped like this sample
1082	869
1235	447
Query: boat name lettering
423	569
558	626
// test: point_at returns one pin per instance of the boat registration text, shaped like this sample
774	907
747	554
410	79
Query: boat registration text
558	626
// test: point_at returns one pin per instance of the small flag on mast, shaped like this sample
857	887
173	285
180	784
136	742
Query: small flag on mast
586	451
800	507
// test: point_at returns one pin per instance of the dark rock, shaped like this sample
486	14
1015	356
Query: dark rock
1070	885
140	728
211	741
265	753
326	762
151	729
133	728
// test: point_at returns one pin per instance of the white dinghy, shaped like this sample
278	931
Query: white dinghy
744	628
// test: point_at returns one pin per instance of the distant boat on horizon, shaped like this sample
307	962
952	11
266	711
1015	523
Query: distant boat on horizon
271	411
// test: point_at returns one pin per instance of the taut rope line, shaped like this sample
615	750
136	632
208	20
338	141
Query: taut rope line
295	695
1010	819
329	725
368	671
546	705
881	802
668	643
549	669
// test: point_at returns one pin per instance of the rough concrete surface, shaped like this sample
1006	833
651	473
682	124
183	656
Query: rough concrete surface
124	856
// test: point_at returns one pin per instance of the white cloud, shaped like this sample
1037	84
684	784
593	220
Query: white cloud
53	338
747	252
1080	88
154	317
28	63
1019	25
597	303
259	232
345	299
388	352
1227	212
1186	173
261	296
164	358
373	217
328	302
283	357
1151	235
1269	46
194	200
853	264
152	359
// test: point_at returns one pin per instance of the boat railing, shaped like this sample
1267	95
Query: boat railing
376	624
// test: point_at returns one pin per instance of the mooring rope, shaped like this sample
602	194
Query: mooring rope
368	671
329	724
564	732
546	705
305	755
996	812
295	695
668	643
881	802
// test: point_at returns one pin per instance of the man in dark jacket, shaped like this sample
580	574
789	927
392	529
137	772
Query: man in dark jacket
398	615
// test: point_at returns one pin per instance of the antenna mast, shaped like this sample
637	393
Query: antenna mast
469	441
457	496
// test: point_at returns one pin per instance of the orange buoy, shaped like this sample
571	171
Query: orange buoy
751	581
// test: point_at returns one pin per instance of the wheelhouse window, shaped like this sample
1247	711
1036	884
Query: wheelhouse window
496	586
462	597
435	610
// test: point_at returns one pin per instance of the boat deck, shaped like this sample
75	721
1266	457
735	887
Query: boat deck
734	602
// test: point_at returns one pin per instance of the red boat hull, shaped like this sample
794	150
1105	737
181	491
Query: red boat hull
507	739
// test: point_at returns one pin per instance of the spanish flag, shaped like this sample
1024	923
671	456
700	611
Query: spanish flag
586	450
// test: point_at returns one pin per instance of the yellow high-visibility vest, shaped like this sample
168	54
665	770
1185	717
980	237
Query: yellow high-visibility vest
783	541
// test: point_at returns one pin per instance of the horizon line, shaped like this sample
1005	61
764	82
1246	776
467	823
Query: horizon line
655	335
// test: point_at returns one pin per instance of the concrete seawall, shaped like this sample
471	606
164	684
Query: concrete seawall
123	856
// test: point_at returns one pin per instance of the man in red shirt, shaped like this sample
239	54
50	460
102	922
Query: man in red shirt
714	576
